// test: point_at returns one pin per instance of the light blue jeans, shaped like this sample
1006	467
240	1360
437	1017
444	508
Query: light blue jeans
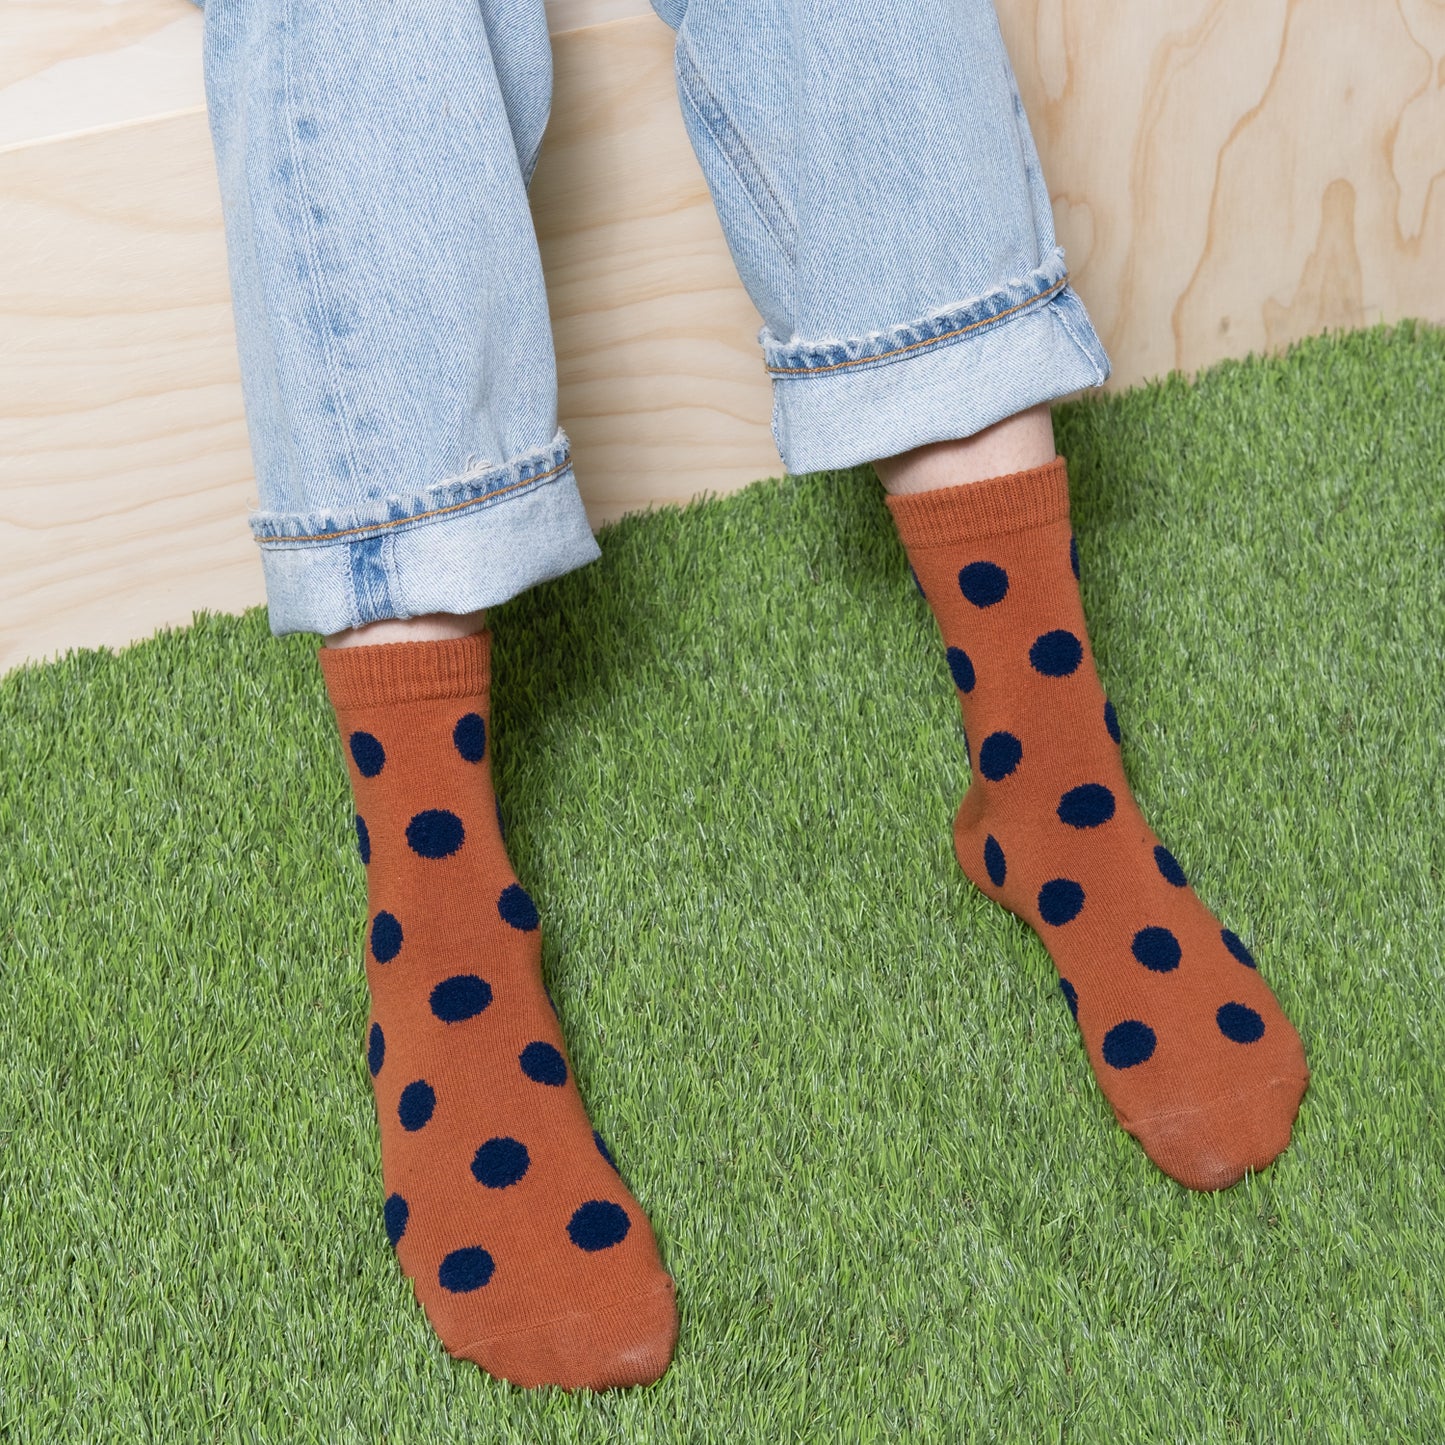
873	172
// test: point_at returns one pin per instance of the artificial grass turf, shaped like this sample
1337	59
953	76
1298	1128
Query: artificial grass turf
843	1083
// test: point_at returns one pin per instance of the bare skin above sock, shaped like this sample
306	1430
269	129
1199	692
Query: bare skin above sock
524	1247
1188	1044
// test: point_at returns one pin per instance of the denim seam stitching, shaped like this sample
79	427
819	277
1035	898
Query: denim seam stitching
1084	351
529	170
312	256
927	340
390	572
734	149
352	598
732	165
417	516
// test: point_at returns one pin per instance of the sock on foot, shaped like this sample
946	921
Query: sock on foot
525	1249
1188	1044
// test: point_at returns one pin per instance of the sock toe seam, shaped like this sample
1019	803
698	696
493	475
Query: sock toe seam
669	1289
1211	1102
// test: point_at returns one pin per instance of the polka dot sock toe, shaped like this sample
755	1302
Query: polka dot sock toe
1187	1041
525	1249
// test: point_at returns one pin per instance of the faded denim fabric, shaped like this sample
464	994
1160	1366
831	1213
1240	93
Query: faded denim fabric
873	172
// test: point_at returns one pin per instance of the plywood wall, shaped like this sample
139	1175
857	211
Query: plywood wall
1228	176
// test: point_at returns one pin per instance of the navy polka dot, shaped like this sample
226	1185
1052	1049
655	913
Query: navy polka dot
1056	654
1111	720
1086	806
1233	944
1074	554
1060	899
994	861
501	826
1128	1043
368	753
470	737
602	1149
418	1100
396	1212
1169	866
916	582
464	1270
551	1002
1157	949
500	1162
375	1050
1071	996
435	833
385	937
598	1224
543	1064
363	839
999	755
516	907
983	583
463	996
965	750
1238	1022
961	668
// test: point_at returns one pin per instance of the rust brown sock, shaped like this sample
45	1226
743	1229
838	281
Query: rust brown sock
1187	1041
525	1249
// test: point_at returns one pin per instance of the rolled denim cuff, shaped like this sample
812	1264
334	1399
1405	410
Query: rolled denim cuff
469	543
847	402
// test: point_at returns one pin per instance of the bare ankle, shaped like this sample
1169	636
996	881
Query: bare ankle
432	627
1016	444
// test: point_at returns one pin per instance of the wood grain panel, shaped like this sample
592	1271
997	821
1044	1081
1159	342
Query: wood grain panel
1227	177
81	64
1231	175
75	65
126	467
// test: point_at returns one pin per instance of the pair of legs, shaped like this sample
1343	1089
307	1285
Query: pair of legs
882	198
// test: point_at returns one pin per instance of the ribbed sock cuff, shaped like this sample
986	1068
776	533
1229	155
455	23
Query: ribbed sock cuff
1012	503
391	672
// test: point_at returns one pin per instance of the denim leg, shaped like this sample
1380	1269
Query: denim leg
878	185
396	351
